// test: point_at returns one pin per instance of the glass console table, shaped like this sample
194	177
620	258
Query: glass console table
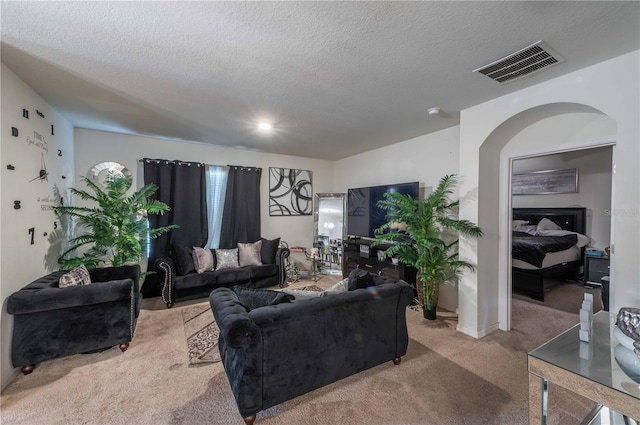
589	369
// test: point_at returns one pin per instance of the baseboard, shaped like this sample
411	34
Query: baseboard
480	334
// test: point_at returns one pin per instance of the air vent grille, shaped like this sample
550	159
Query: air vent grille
524	62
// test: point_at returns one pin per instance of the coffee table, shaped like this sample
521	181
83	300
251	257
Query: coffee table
589	369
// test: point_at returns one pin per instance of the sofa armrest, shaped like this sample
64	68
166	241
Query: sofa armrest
167	271
106	274
281	261
32	301
236	327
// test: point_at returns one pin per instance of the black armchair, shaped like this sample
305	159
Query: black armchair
51	322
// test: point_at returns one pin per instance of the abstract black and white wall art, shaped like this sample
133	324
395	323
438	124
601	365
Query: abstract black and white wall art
290	192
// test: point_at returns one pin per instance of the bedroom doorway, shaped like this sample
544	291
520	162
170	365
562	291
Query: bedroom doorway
553	195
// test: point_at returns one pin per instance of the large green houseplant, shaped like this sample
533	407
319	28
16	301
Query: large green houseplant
429	238
115	230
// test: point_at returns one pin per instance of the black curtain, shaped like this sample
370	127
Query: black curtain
241	215
181	185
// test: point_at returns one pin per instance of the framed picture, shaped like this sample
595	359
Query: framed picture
545	182
290	192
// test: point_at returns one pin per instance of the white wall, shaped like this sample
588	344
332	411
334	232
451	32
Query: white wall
21	261
610	87
594	187
93	147
424	159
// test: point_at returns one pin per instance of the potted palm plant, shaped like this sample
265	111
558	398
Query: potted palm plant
115	230
428	239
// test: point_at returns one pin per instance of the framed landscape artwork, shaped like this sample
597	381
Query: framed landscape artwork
290	192
545	182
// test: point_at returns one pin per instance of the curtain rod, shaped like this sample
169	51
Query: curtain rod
174	161
244	167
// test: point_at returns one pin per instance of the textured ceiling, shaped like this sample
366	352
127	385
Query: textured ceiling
336	78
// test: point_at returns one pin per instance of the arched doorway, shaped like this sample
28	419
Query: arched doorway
560	127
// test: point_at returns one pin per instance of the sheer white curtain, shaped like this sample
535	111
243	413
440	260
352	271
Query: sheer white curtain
216	188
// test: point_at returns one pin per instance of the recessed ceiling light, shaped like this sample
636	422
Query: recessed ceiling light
433	111
265	126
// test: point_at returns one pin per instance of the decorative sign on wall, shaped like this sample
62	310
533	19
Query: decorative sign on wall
290	192
545	182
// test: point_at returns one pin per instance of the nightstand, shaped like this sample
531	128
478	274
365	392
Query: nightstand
595	268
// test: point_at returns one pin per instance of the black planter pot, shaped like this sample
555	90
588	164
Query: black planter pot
429	314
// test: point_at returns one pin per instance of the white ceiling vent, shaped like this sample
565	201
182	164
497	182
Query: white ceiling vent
519	64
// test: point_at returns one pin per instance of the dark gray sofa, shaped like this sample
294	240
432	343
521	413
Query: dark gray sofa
275	353
51	322
177	285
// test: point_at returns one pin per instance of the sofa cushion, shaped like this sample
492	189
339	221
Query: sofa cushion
76	277
237	275
202	260
255	298
182	257
360	279
269	250
195	280
249	254
265	270
227	259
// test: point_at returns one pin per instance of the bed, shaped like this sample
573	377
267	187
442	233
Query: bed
547	253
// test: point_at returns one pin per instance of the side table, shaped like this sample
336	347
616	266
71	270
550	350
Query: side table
589	369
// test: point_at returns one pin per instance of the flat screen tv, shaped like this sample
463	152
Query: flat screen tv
364	214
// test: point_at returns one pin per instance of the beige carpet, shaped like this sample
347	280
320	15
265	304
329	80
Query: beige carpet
201	334
445	378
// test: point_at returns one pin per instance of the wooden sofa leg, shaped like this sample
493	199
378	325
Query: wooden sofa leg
27	369
249	420
124	346
169	305
397	361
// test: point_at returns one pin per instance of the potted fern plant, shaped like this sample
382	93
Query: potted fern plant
428	240
115	230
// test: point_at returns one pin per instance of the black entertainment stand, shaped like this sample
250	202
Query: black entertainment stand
358	253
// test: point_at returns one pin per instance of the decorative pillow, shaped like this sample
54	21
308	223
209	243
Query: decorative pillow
227	259
531	229
182	257
546	224
249	254
269	250
202	260
254	298
76	277
300	294
360	279
516	223
342	286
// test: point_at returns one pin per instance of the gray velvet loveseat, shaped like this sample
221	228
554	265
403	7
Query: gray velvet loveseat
274	353
180	280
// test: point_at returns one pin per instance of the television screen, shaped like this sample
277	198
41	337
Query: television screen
364	215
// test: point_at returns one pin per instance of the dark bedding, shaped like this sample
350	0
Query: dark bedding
532	249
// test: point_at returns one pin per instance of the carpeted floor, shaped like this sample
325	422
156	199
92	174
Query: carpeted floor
445	378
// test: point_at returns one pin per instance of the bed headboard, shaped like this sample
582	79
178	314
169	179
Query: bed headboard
573	219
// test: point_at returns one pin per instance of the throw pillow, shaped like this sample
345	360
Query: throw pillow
227	259
182	257
76	277
249	254
269	250
202	260
254	298
516	223
342	286
360	279
299	294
